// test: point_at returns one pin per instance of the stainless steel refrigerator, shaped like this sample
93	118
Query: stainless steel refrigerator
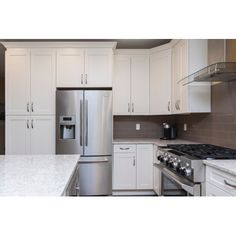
84	126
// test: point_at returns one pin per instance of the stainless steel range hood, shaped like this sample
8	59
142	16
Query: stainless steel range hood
221	63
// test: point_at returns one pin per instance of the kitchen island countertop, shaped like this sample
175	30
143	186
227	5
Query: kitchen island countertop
36	175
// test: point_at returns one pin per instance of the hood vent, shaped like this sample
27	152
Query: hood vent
217	71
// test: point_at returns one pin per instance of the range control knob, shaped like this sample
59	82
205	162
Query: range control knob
159	157
187	171
175	165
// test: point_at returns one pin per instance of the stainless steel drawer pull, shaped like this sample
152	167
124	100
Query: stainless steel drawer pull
81	78
132	107
32	107
168	106
27	107
134	161
32	124
128	107
124	148
86	77
231	185
27	124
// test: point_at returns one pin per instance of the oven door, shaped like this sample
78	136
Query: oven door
175	185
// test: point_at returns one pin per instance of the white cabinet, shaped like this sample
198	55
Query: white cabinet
17	135
160	82
98	67
30	82
17	81
30	135
189	56
79	67
121	85
42	135
219	183
133	167
124	172
145	166
131	85
43	82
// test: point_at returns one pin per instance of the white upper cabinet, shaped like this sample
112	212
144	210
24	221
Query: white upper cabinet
189	56
131	85
140	85
98	67
160	82
43	82
88	67
121	85
17	81
30	82
70	67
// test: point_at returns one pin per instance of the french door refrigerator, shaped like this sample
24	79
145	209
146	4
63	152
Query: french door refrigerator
84	126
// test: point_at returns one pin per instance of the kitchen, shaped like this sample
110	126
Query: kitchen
158	111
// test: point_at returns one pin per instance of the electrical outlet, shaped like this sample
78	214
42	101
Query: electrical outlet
185	127
138	127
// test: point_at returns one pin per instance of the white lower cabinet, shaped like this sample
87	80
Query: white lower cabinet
30	135
219	183
145	166
133	167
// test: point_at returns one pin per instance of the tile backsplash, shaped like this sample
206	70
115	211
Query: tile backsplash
125	126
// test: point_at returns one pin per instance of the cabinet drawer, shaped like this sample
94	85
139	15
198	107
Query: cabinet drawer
125	148
221	179
212	190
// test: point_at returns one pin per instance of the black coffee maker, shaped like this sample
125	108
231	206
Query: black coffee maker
168	131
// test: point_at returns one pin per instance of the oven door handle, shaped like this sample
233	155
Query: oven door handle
189	187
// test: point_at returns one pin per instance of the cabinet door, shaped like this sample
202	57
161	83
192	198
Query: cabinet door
98	68
124	171
70	67
42	134
17	81
160	82
145	166
121	85
43	81
17	135
140	85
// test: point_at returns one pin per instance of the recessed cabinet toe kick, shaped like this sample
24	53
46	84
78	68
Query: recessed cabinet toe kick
84	126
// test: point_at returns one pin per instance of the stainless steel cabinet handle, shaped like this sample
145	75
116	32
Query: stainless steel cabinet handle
82	79
128	107
86	120
81	122
27	107
124	148
231	185
133	161
32	124
32	107
169	106
27	124
132	107
86	77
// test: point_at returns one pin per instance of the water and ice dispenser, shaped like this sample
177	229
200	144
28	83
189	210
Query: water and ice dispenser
67	127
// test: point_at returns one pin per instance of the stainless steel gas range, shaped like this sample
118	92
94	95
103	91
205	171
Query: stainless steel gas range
180	170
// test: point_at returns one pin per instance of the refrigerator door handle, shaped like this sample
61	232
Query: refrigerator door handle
86	123
81	122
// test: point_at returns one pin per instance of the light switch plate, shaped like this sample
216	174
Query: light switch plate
138	127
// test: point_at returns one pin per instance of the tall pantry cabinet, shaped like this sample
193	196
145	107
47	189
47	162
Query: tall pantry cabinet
30	100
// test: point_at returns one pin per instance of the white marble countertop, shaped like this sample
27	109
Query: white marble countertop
36	175
228	166
158	142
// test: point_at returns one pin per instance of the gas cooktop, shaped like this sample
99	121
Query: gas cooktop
204	151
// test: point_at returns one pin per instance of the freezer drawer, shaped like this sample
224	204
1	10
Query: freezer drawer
95	177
